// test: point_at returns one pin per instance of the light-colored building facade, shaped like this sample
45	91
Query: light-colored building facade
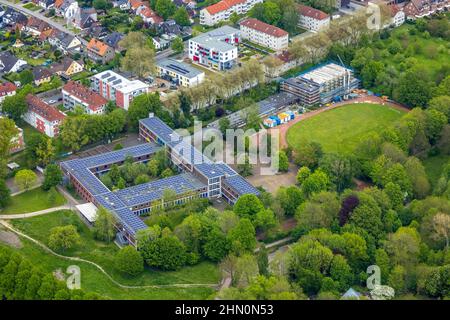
117	88
42	116
216	49
7	89
75	94
312	19
222	10
180	73
264	34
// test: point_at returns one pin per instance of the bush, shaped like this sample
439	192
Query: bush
129	261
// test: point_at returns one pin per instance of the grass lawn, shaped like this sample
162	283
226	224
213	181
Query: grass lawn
339	130
32	200
103	254
31	6
433	167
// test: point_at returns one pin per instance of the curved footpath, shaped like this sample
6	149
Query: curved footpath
43	246
36	213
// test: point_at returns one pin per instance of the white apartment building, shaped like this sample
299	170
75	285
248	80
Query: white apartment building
179	73
42	116
75	94
222	10
117	88
312	19
216	49
264	34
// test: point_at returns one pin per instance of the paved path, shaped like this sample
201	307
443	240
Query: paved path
36	213
43	246
282	129
51	22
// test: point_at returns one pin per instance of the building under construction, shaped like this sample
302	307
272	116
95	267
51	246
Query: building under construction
322	84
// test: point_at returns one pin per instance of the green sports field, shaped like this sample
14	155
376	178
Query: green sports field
339	130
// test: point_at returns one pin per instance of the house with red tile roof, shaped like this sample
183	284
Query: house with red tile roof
42	116
75	94
422	8
99	51
312	19
223	9
148	15
7	89
264	34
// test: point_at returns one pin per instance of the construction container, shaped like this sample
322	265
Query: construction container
284	117
291	114
270	123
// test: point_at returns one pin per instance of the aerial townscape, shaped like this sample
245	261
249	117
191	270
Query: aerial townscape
224	150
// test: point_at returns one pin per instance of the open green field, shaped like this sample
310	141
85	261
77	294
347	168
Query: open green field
103	253
32	200
433	167
339	130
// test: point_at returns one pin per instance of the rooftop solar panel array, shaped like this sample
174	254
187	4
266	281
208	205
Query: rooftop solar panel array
214	170
151	191
241	185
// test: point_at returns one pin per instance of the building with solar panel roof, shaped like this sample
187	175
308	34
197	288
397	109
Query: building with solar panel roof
179	73
199	177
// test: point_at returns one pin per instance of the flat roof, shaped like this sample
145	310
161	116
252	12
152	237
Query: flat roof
217	38
180	68
326	73
88	210
119	82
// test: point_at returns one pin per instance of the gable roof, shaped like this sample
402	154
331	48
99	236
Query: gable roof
113	39
264	27
311	12
223	5
98	47
41	108
7	87
91	98
8	60
41	73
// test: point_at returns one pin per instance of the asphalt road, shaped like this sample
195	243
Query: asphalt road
54	24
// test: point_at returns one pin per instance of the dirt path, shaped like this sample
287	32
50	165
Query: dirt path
77	259
283	129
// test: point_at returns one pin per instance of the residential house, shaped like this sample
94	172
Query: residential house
64	42
66	8
42	116
41	75
14	18
170	28
95	31
99	51
397	15
9	63
36	27
422	8
113	40
223	9
148	15
264	34
83	18
180	73
123	5
7	89
117	88
75	94
17	142
312	19
46	4
160	43
216	49
67	67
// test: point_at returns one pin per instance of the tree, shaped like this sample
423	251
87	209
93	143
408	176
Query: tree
265	219
316	182
9	131
224	124
129	261
52	176
73	132
217	245
289	198
45	152
15	106
104	225
242	236
26	77
166	252
141	106
339	169
181	16
5	194
302	174
25	179
263	261
234	18
319	212
177	45
308	154
413	89
441	227
348	205
341	272
396	279
99	4
165	8
63	238
247	206
139	61
403	246
283	162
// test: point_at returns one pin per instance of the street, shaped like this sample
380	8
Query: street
42	17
